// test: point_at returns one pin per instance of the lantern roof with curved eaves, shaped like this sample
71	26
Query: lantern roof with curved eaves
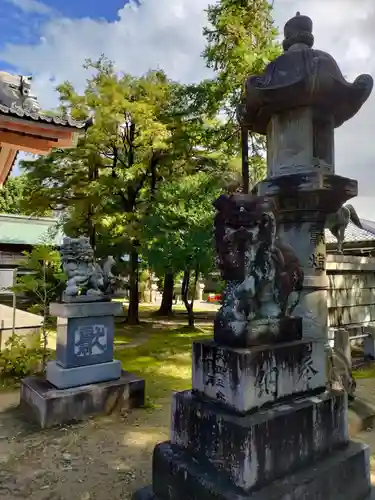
302	77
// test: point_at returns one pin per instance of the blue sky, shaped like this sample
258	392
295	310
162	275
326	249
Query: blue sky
21	24
50	39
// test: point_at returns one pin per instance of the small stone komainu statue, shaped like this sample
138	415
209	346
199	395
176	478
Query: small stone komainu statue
86	279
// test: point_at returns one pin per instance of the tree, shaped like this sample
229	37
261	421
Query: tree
62	182
12	196
241	41
178	233
41	282
111	176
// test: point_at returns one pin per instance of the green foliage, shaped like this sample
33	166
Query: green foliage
104	185
143	285
12	197
178	233
241	41
42	280
18	360
144	176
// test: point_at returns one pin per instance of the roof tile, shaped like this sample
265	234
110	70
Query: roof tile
352	234
24	230
68	121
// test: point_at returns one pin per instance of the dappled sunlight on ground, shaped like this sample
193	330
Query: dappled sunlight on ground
163	360
141	438
113	454
169	369
109	456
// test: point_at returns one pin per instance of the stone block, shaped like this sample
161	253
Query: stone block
369	343
85	341
255	332
254	449
85	332
64	378
333	190
245	379
84	309
48	406
177	475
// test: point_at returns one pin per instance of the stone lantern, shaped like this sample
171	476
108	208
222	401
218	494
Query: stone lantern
259	422
298	102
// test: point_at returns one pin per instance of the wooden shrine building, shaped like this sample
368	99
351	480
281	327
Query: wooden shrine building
25	127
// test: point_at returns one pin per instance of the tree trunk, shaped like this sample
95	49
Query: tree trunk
92	230
167	299
45	315
185	294
133	312
93	176
245	159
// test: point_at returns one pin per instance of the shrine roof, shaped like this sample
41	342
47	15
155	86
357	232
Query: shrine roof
354	234
16	100
39	116
27	230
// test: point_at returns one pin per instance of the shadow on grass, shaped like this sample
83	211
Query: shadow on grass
365	371
164	360
179	313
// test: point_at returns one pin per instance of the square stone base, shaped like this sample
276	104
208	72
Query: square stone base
48	406
343	475
247	379
65	378
255	449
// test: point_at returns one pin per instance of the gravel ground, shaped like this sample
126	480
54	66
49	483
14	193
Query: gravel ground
110	456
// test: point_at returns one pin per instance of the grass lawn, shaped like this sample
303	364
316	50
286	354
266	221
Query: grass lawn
163	358
161	354
179	308
365	372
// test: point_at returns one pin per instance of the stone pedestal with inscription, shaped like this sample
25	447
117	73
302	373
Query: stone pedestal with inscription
84	345
84	380
259	422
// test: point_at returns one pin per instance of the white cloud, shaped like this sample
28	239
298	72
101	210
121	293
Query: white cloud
166	34
32	6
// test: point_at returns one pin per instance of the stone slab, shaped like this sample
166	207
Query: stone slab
254	332
177	475
338	188
85	341
254	449
85	298
65	378
361	416
147	493
48	406
85	309
245	379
